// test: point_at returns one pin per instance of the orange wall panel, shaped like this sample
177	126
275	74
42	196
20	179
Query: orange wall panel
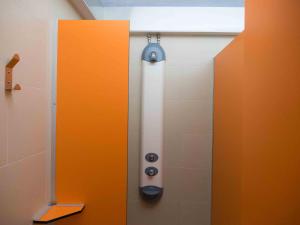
92	112
263	141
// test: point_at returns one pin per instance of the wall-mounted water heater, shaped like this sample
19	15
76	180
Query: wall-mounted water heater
151	176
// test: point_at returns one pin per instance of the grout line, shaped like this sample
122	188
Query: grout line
6	130
20	160
185	168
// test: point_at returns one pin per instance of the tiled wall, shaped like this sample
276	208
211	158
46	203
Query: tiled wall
187	131
27	27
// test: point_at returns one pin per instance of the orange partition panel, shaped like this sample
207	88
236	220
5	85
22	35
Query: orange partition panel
92	113
228	116
256	178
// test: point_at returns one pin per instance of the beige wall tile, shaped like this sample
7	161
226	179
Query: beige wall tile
196	151
187	131
29	72
160	213
32	69
192	213
134	113
28	27
173	126
172	183
133	149
22	190
133	183
195	185
27	123
3	135
186	184
188	116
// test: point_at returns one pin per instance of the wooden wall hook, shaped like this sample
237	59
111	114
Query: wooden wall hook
9	73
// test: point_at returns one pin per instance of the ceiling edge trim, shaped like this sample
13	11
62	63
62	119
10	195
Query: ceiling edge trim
82	8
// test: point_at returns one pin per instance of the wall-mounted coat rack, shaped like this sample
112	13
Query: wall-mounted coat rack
9	73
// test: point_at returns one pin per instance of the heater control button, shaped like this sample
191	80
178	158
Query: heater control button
151	171
151	157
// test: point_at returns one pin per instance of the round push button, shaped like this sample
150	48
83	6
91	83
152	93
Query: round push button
151	171
151	157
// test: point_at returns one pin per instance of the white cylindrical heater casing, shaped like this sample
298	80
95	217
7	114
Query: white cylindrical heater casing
151	174
152	120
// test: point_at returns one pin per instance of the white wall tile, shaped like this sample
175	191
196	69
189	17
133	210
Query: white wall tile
176	19
166	3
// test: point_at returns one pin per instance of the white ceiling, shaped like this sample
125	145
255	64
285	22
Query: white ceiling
169	3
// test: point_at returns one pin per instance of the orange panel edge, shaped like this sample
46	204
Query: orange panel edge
92	119
55	212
